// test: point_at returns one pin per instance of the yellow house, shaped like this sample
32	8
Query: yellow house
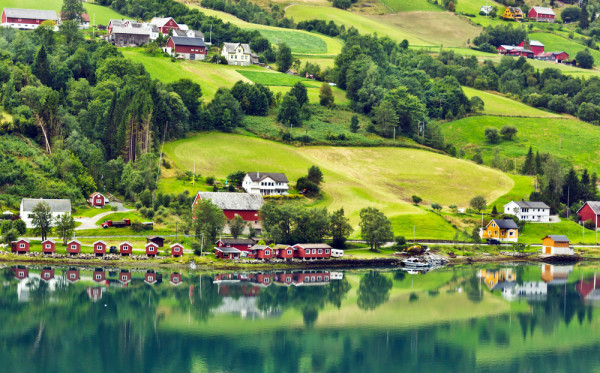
513	13
502	230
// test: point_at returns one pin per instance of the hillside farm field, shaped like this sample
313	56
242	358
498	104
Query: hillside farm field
496	104
384	178
102	14
558	43
411	5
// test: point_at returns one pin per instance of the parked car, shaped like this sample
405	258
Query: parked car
493	241
113	250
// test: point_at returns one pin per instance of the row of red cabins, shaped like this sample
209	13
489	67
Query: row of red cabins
230	248
74	248
301	278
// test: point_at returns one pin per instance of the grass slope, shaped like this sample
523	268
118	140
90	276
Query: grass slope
385	178
557	43
103	14
496	104
411	6
285	80
567	139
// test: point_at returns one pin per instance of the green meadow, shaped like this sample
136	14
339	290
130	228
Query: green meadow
411	6
496	104
100	13
554	42
269	78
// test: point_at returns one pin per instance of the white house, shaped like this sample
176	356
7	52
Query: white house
265	183
57	207
537	212
237	54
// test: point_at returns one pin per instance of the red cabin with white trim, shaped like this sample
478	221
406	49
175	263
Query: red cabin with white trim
73	275
124	277
125	248
177	250
97	199
20	246
47	274
151	249
100	248
176	279
48	247
26	19
242	244
262	252
227	253
99	275
20	273
286	252
312	251
73	247
150	278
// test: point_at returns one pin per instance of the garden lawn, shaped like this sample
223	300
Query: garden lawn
88	211
567	139
474	6
496	104
354	177
102	14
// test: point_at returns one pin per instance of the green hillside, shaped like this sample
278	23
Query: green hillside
411	6
496	104
554	42
102	14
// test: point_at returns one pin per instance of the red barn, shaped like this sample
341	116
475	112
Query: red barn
590	211
99	248
177	250
176	279
47	274
73	247
535	46
73	275
150	278
99	275
124	277
243	244
312	251
262	252
97	199
21	246
20	273
227	253
164	24
512	50
541	14
235	204
151	249
188	48
48	247
26	19
125	248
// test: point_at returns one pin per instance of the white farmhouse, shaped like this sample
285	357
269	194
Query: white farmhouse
537	212
57	207
265	183
237	54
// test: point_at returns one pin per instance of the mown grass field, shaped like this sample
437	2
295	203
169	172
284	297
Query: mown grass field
102	14
557	43
385	178
411	6
534	232
496	104
285	80
567	139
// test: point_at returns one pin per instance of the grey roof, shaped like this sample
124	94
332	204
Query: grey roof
237	241
535	43
178	32
594	205
532	205
197	34
228	250
259	176
160	22
231	47
31	14
558	237
313	245
260	247
506	223
543	10
234	201
190	42
130	30
56	205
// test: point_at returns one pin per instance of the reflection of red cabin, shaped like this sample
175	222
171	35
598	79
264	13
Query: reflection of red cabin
20	273
244	244
151	249
97	199
99	275
150	278
285	278
125	248
176	279
20	246
265	279
125	277
312	251
177	250
47	274
48	246
262	252
285	252
95	294
73	275
99	248
73	247
311	278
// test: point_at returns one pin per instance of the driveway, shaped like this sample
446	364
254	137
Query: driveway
90	223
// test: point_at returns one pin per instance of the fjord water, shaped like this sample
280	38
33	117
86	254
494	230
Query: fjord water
527	318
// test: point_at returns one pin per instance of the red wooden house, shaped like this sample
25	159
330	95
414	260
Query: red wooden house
73	247
150	277
98	275
243	244
164	24
177	250
541	14
73	275
97	199
125	248
262	252
26	19
590	211
512	50
124	277
284	252
309	251
151	249
553	56
535	46
20	246
234	204
100	248
48	247
20	273
227	253
188	48
47	274
176	279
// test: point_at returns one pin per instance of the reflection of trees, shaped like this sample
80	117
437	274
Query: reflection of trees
399	275
374	290
472	288
200	299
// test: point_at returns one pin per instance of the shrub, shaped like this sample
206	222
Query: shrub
492	135
508	132
400	240
416	199
210	180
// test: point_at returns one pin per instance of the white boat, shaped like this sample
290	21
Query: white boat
414	263
192	265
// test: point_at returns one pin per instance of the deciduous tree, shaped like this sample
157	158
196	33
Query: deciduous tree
209	220
236	226
42	219
340	228
375	227
478	203
65	226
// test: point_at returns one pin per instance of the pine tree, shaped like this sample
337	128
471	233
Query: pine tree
41	67
571	188
528	166
354	124
586	188
494	210
584	21
538	164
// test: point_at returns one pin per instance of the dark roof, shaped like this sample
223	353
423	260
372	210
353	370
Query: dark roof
227	250
237	241
276	176
190	42
31	14
558	237
506	223
532	205
234	201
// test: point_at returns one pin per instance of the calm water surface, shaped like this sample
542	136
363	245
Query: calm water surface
463	319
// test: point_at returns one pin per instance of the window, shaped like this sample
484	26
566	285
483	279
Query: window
22	245
314	251
318	278
21	274
289	252
307	252
47	246
73	247
175	279
150	278
176	249
99	247
326	251
326	278
312	279
124	278
266	280
71	275
320	251
46	275
267	252
98	276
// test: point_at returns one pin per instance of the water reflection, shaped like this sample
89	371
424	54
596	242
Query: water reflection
493	318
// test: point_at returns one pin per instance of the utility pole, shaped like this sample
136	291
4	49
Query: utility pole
394	133
194	177
568	198
202	245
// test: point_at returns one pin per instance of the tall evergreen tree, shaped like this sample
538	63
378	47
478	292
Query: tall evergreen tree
584	21
538	164
528	166
571	188
41	66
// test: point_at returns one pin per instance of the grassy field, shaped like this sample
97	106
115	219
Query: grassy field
496	104
473	6
522	188
385	178
557	43
533	233
102	14
411	6
284	80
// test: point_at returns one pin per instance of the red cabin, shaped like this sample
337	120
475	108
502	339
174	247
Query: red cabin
177	250
73	275
125	248
47	274
227	253
124	277
21	246
312	251
285	278
164	24
100	248
150	278
285	252
188	48
48	247
234	204
20	273
262	252
97	199
176	279
73	247
243	244
264	279
99	275
590	211
26	19
151	249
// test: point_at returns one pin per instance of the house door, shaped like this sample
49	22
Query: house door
548	250
192	56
